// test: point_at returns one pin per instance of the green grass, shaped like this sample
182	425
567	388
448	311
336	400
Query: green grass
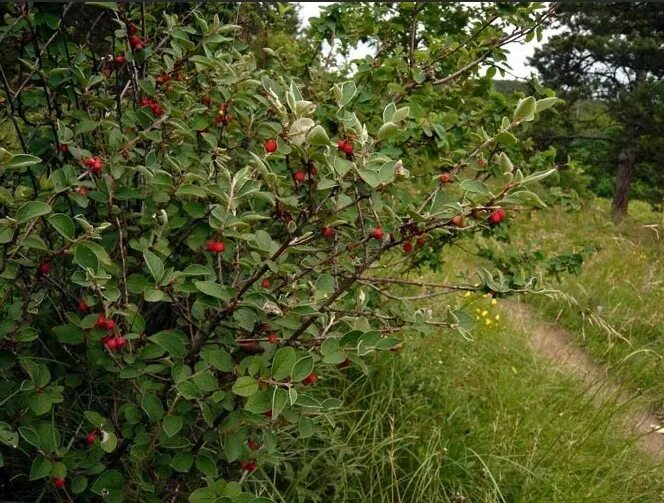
486	420
622	284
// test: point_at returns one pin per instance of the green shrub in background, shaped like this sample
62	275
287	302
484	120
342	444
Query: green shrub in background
186	250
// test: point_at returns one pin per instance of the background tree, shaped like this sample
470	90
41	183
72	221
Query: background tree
610	54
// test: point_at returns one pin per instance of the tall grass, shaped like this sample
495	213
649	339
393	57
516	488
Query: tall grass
453	420
622	284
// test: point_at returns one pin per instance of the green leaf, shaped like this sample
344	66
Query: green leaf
545	103
204	495
525	110
341	165
539	175
155	265
109	480
302	368
245	386
475	186
388	112
213	289
505	163
506	138
64	225
86	257
318	136
30	210
206	465
172	425
109	441
259	402
21	161
220	359
232	447
78	484
279	400
173	341
152	407
182	462
282	362
69	334
387	130
41	467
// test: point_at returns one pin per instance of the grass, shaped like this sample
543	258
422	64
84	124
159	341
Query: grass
486	420
449	419
622	284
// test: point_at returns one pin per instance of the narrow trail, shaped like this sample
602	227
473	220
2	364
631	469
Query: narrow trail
554	343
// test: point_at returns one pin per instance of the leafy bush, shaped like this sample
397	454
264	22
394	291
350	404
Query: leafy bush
186	252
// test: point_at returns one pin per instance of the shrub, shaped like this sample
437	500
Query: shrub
186	252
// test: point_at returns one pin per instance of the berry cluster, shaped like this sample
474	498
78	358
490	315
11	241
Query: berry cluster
111	342
215	246
152	105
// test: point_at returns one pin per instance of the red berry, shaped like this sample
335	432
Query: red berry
265	283
59	483
96	165
497	216
156	109
219	247
272	338
101	321
328	232
345	364
132	29
110	324
64	148
345	146
136	42
120	59
81	191
421	241
270	146
206	100
377	233
299	176
145	102
268	414
91	438
407	247
310	379
44	267
252	445
210	246
83	306
445	178
249	466
112	344
121	342
105	339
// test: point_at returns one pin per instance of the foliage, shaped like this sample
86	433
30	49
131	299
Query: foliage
606	61
189	244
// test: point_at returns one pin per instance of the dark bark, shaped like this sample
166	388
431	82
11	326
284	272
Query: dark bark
626	161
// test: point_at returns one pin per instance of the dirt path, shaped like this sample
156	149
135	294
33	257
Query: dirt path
555	344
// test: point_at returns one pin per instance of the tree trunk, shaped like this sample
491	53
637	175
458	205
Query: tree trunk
626	161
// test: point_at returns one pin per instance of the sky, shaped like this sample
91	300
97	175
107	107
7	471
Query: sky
517	58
